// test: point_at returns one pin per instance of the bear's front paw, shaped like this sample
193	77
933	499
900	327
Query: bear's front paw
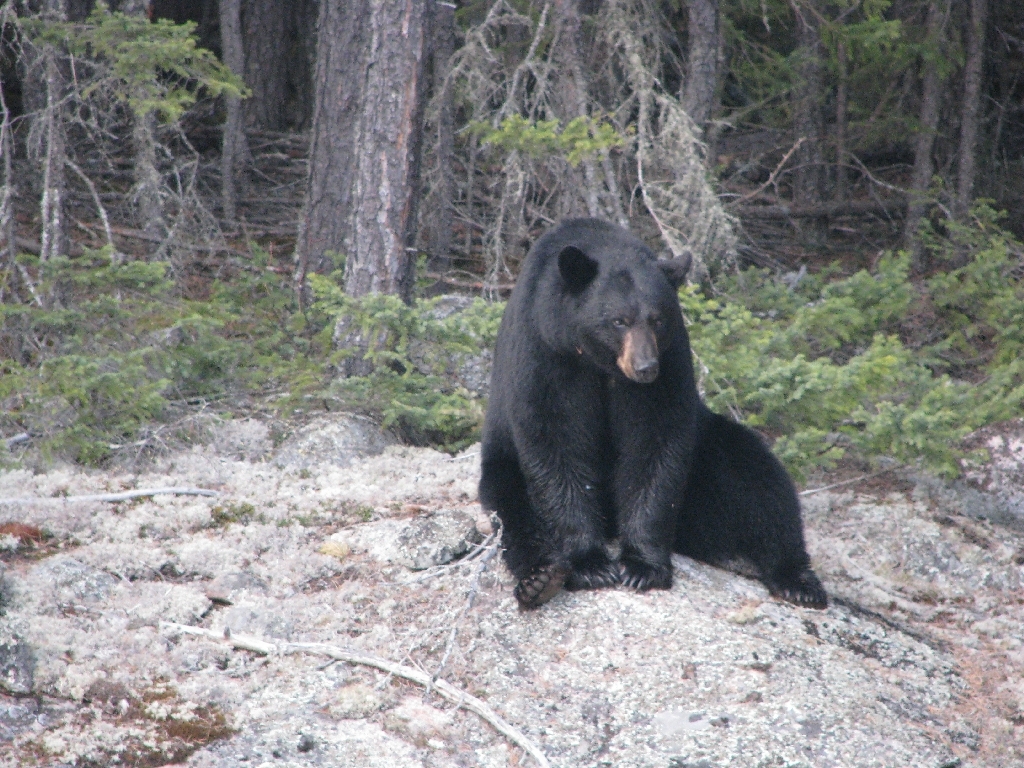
594	575
539	586
643	576
802	589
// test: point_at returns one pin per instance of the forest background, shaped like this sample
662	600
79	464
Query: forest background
239	206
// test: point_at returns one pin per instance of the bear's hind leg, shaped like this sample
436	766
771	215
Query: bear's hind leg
741	505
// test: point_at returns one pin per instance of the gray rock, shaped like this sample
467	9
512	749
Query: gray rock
992	485
335	440
349	744
226	588
71	583
17	666
241	439
437	539
914	662
256	618
471	371
16	715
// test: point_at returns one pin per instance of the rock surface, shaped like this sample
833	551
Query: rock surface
335	440
916	663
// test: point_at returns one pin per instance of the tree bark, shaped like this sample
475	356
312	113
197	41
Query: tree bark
325	227
931	98
234	145
442	49
53	236
7	195
971	106
147	192
389	139
365	144
703	24
264	33
574	93
842	100
809	117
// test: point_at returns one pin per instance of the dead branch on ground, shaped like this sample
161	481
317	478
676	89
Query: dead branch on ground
453	694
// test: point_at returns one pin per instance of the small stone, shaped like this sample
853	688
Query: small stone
386	608
306	743
484	524
437	539
354	702
225	588
420	721
17	667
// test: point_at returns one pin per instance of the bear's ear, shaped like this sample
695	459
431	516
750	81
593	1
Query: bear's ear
577	269
675	269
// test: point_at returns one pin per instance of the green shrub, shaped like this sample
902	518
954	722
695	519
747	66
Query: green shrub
837	366
413	351
833	366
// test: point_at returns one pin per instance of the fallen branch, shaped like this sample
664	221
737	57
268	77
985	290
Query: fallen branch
809	491
470	284
18	439
455	695
889	208
124	496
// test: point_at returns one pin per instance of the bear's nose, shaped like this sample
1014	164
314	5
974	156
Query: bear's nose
646	372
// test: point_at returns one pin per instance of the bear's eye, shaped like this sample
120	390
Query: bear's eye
619	322
657	322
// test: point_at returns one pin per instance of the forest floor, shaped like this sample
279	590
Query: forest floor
254	626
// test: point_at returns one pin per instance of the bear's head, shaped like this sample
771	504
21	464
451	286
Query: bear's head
624	310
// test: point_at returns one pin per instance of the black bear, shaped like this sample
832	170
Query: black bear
595	431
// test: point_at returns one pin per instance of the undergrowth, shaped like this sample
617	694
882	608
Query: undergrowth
867	365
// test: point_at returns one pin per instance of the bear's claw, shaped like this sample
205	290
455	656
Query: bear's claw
594	576
804	589
643	576
539	586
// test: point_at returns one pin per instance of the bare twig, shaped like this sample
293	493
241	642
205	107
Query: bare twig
125	496
453	694
771	176
96	199
474	588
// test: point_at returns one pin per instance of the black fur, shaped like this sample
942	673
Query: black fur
580	445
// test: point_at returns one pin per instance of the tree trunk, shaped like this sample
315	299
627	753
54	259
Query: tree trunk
148	182
7	194
931	97
442	49
809	118
54	230
264	33
365	144
971	106
389	138
325	228
574	95
842	100
234	146
703	25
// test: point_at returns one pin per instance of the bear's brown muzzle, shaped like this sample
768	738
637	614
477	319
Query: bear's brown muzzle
638	358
